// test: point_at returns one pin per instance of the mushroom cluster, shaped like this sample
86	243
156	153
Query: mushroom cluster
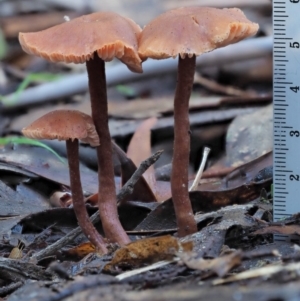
94	39
184	32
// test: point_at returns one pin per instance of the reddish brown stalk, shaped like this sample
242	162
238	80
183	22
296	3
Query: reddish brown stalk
107	199
179	177
78	200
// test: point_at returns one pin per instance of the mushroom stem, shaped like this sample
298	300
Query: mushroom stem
179	178
78	200
107	198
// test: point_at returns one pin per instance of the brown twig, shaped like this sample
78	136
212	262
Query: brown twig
128	187
5	290
80	286
216	87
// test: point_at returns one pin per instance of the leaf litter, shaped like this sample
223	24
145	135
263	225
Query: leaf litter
232	210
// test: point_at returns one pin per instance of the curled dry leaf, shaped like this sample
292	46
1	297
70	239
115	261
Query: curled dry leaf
16	253
139	149
60	199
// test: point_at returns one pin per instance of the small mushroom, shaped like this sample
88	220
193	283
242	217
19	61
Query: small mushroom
94	39
189	32
71	126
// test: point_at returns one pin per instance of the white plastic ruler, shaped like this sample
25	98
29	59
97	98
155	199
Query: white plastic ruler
286	98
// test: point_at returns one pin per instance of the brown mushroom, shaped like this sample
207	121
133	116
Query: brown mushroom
94	39
189	32
106	35
71	126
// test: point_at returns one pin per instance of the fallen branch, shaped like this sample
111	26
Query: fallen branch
124	191
128	187
221	3
78	83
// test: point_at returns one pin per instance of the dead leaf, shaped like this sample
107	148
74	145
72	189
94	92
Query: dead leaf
149	250
282	229
141	191
264	272
60	199
92	199
249	136
221	265
16	252
258	170
14	203
43	163
162	190
139	148
163	216
82	250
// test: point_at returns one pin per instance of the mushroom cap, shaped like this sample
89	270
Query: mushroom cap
193	31
63	125
76	41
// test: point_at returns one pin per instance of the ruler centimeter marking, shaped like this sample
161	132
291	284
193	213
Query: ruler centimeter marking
286	113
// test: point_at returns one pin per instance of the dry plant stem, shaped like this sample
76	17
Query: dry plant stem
78	200
107	194
219	88
179	178
5	290
200	170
